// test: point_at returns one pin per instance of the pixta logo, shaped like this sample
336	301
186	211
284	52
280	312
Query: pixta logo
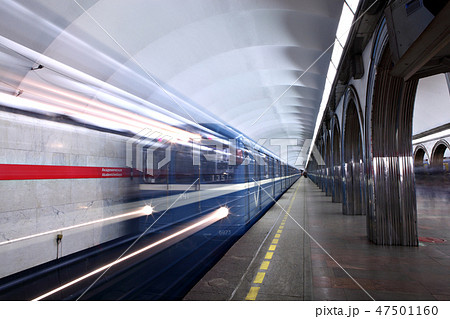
141	150
142	147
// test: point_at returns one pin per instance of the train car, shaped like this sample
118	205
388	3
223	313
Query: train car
197	192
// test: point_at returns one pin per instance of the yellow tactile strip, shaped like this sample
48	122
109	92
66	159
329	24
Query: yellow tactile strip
259	278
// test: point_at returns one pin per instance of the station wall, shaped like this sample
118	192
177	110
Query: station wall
42	204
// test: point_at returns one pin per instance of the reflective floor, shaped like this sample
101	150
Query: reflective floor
433	207
386	273
344	264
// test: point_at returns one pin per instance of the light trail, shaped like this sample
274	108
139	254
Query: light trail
213	217
146	210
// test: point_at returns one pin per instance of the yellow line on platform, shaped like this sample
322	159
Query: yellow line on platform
265	265
259	278
253	292
269	255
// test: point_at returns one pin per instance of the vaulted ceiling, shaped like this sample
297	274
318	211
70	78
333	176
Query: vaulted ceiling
251	64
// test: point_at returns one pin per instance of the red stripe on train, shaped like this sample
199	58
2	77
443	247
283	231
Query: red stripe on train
22	172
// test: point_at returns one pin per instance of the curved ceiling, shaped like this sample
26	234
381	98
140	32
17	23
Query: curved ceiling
237	61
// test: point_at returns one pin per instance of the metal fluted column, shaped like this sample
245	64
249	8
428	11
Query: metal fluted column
392	216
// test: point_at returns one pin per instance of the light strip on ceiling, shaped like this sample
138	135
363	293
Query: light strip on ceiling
342	33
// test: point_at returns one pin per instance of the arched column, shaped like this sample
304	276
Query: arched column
392	212
354	202
322	167
336	160
326	148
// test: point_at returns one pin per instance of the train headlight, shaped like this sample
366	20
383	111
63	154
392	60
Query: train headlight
147	210
222	212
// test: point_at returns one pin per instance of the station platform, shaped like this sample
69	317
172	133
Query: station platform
303	248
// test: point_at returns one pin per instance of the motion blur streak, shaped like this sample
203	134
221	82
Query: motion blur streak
145	211
29	104
76	75
80	111
140	120
202	223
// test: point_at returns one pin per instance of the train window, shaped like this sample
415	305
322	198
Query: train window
185	171
214	166
257	168
270	167
153	174
266	167
241	172
277	168
250	163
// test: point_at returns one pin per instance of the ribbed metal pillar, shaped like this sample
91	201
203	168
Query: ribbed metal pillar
392	217
336	163
328	169
354	181
322	167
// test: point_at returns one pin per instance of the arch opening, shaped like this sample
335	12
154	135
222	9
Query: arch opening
421	161
440	158
419	158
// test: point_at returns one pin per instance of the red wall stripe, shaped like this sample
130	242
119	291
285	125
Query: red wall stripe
22	172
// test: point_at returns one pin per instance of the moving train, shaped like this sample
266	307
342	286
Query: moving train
198	191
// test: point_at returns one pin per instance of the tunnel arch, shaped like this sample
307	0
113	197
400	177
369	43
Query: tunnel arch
336	160
392	211
437	155
352	155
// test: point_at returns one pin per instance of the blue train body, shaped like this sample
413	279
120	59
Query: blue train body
228	172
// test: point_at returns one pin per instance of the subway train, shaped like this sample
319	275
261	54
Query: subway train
196	191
